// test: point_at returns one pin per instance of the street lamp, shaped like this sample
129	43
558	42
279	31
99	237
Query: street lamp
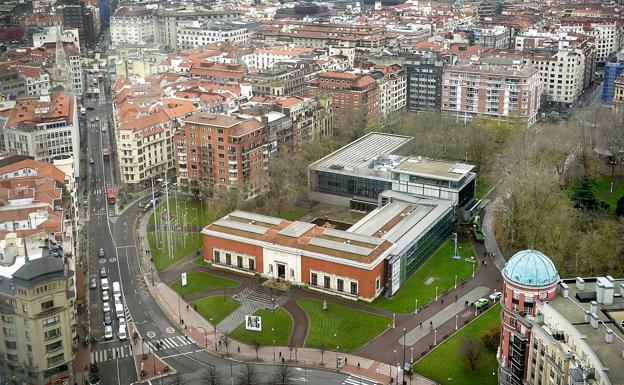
337	347
273	331
412	354
455	281
435	337
436	298
214	325
416	307
404	342
456	318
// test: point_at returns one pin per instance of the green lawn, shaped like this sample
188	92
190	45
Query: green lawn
200	261
601	186
611	200
180	249
292	213
352	328
193	212
280	321
439	270
444	364
217	307
199	281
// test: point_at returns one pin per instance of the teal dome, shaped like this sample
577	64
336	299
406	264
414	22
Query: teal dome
531	268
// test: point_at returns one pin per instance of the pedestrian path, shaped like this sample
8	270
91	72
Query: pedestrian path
104	355
355	380
169	343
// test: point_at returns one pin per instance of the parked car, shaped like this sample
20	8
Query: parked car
105	306
103	273
104	283
91	161
93	283
107	318
105	296
122	321
108	332
496	295
481	303
122	333
101	253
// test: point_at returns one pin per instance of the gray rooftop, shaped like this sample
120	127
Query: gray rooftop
346	247
296	229
40	269
438	169
242	226
255	217
363	150
352	236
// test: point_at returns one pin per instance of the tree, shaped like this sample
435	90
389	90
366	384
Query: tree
178	379
491	340
584	196
471	350
282	375
619	209
248	376
211	376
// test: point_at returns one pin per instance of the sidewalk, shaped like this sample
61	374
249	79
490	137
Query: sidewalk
203	333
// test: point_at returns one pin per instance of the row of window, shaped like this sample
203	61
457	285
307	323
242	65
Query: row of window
241	262
327	283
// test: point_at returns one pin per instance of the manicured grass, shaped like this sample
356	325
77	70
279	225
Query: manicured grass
445	365
280	321
602	186
160	253
199	281
193	212
438	271
292	213
611	200
200	261
217	307
352	328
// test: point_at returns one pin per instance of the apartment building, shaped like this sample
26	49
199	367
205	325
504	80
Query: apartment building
311	117
562	75
222	151
37	273
132	27
49	35
355	97
83	17
559	331
283	79
474	89
266	58
218	73
194	33
618	92
608	34
44	127
392	82
11	82
423	82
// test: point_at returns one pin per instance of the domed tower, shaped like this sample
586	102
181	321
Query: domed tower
529	276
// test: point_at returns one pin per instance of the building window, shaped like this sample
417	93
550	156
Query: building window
239	261
217	256
252	265
377	283
47	305
326	282
228	258
51	320
340	284
354	288
313	279
10	344
54	346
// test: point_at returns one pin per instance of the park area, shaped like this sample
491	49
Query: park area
438	271
340	326
446	364
215	308
276	326
198	281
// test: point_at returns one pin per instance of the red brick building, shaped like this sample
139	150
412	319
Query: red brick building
355	97
341	262
221	150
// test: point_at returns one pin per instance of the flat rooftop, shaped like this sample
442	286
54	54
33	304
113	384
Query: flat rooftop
438	169
363	150
573	310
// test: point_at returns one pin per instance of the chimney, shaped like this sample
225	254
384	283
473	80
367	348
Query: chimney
593	307
565	290
609	336
593	320
587	316
580	284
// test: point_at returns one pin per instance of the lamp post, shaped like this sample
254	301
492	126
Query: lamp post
416	307
273	331
456	318
152	272
473	269
214	325
435	337
393	320
412	354
337	347
455	281
404	342
436	298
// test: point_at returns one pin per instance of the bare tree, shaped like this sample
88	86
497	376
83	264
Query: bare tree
211	376
178	379
471	351
248	376
282	375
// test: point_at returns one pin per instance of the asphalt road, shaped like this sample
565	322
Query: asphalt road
114	233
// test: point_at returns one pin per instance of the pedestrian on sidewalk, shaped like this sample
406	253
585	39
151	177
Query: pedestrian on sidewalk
187	307
442	301
420	324
431	325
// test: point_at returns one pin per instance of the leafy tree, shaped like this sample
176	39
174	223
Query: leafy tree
491	339
584	196
471	351
619	209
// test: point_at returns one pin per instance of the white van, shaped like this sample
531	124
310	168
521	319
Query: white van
104	283
122	333
116	288
119	310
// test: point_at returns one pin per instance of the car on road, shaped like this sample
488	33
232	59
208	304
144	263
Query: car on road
122	333
107	318
158	193
101	253
122	321
106	306
108	332
103	129
104	283
496	295
105	296
91	161
481	303
103	272
93	283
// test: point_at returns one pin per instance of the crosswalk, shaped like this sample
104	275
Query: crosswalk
168	343
99	191
104	355
355	380
128	316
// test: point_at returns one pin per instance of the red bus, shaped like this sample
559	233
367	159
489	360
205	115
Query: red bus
110	193
105	153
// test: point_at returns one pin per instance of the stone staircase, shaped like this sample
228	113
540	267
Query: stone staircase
253	298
